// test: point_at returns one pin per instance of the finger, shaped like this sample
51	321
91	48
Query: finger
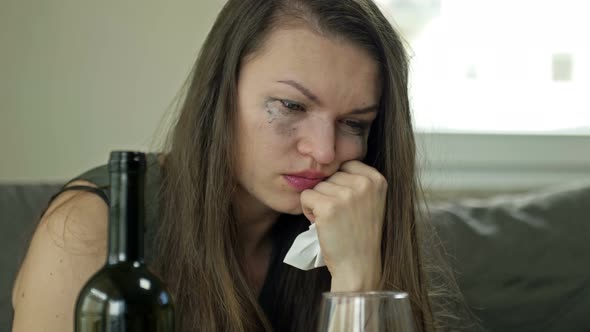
358	183
332	189
311	200
356	167
343	179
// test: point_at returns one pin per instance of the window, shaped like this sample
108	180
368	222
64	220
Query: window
499	89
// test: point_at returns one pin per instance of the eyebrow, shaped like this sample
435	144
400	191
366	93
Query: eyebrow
305	91
365	110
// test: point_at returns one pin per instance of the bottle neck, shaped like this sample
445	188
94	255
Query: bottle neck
126	217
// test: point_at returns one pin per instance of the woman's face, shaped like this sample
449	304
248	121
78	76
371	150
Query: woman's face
305	104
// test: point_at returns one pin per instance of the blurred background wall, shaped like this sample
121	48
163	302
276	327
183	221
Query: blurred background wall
80	78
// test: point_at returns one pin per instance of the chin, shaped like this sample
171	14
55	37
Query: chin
294	211
289	207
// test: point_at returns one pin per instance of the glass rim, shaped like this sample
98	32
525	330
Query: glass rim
372	294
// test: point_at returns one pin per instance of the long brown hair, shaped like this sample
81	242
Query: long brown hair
196	243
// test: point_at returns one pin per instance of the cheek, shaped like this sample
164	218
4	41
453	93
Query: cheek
267	140
352	147
285	130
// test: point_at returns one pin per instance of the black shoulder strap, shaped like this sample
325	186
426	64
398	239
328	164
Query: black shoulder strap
99	176
98	191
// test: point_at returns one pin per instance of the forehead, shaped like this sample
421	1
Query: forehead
331	67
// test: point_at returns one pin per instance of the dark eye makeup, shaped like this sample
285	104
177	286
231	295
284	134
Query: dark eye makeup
350	126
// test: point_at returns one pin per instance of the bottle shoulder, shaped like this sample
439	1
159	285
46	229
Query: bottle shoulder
124	297
126	282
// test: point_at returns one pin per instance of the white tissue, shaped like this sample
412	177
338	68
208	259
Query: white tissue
305	253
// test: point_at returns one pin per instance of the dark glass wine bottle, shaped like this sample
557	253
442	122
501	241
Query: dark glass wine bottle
124	295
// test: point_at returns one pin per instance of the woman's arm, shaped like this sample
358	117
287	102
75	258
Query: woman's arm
69	245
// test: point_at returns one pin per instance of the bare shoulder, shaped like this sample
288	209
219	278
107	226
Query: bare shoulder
68	246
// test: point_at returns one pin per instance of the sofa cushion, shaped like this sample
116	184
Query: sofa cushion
20	208
522	261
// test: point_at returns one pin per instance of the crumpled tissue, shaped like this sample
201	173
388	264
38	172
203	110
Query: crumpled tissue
305	253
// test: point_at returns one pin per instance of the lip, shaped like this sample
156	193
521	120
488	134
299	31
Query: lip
304	180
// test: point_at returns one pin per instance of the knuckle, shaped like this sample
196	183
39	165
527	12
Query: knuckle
329	208
384	185
363	184
381	180
347	194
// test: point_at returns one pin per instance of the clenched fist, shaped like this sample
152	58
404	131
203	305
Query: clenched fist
348	209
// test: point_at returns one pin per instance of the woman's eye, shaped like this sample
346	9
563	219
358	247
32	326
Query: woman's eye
356	127
292	106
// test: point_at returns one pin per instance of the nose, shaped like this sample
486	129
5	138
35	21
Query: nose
319	142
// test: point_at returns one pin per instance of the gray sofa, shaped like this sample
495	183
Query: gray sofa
522	261
20	206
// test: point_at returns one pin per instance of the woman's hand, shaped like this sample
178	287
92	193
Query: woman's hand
348	209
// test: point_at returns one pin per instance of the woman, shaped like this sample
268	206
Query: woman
297	110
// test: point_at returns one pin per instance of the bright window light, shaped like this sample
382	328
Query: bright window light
497	66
